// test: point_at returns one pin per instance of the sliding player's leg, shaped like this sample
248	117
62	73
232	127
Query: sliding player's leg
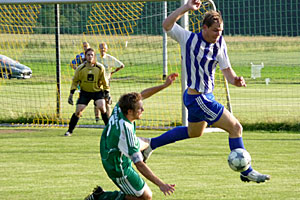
132	186
99	193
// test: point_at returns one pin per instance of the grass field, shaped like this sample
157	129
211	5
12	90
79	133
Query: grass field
42	164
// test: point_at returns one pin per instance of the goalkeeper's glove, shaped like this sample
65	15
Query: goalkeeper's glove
70	99
108	100
106	94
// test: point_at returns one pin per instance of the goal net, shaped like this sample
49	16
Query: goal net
133	32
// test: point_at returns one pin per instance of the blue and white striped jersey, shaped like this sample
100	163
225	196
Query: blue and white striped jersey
200	58
78	60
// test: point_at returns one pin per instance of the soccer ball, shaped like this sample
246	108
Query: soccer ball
239	160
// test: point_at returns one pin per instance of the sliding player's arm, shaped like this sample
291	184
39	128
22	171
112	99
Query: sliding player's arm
150	91
137	159
167	189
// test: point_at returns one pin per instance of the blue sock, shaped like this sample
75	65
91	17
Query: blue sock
176	134
235	143
245	173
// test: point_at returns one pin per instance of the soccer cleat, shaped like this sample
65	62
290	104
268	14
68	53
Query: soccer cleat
97	119
96	193
147	153
255	176
68	133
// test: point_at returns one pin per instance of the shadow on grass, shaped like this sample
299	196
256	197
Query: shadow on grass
295	127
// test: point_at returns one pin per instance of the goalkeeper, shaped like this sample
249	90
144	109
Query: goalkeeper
93	85
200	53
120	147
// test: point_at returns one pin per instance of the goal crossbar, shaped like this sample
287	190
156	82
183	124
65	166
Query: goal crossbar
68	1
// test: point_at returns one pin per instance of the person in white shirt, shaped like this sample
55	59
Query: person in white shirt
111	65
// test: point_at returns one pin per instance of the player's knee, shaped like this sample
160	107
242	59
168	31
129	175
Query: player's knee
193	133
102	109
78	113
147	195
237	130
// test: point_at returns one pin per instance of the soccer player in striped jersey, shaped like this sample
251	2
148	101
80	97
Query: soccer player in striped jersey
80	58
200	53
93	85
120	147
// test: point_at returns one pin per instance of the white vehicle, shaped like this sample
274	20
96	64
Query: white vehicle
13	69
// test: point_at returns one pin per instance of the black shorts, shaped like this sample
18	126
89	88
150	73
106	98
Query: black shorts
108	101
86	97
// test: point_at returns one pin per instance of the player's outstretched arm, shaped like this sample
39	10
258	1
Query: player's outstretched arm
151	91
179	12
167	189
118	69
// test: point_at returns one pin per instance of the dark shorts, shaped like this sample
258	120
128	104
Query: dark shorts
202	107
108	101
86	97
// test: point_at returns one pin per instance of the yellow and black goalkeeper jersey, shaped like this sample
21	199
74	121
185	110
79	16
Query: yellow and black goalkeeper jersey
90	78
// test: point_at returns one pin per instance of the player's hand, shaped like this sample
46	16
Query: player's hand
194	4
167	189
70	99
239	81
108	100
106	94
170	79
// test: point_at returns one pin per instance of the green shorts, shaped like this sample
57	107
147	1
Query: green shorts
131	183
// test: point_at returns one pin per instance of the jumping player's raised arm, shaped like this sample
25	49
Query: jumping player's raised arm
150	91
179	12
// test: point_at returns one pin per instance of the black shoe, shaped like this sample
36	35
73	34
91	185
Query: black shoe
96	193
97	119
68	133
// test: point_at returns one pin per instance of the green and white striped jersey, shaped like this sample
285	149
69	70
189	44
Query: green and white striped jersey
119	145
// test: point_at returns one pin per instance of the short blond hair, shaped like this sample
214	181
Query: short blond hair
103	44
